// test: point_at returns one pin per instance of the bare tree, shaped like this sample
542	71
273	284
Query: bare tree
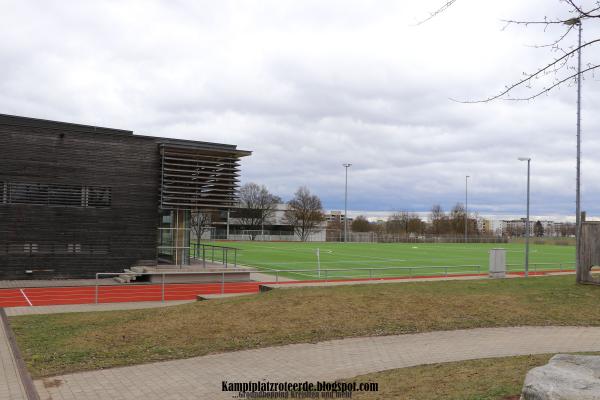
438	220
200	222
414	224
361	224
257	206
304	213
397	223
559	69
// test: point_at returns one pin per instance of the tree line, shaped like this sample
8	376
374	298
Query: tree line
304	214
257	206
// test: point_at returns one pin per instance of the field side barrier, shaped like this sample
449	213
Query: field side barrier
327	275
446	268
562	266
163	284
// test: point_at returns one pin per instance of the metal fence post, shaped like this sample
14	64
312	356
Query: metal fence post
223	282
226	251
277	276
162	294
235	258
96	295
204	256
326	275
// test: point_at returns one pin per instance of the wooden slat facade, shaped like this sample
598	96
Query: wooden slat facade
58	238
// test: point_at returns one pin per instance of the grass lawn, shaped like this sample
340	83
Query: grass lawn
352	256
485	379
60	343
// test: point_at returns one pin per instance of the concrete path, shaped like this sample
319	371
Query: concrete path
67	308
201	377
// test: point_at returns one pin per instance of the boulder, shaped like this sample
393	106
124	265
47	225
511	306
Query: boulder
565	377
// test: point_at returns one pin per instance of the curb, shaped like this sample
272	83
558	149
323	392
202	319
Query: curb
26	380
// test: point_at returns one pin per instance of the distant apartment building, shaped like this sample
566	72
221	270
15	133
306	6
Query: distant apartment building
516	227
336	216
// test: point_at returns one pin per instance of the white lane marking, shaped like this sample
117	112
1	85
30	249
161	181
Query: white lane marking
26	298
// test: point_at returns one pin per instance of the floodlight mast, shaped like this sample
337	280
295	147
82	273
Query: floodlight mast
347	165
579	272
527	230
466	207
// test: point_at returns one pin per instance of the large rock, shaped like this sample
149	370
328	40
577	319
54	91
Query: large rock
565	377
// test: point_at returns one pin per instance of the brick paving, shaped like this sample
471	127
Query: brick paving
200	377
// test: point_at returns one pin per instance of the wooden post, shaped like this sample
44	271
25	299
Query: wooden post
589	251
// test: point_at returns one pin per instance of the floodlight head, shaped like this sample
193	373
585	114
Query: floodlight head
524	159
573	21
347	165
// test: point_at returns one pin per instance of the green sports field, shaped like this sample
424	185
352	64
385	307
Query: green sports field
298	260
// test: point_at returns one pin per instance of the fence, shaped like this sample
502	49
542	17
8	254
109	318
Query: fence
334	235
106	290
329	274
562	266
167	291
204	252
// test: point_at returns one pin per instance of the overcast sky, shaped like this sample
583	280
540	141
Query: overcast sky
308	85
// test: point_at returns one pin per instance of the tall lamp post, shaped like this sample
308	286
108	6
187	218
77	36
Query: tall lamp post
466	207
346	204
527	229
579	272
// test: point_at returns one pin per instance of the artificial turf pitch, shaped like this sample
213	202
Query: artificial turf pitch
352	260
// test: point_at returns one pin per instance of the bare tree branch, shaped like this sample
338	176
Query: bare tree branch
440	10
546	90
530	76
588	13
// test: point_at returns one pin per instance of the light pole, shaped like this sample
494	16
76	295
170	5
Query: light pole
346	204
527	230
579	272
466	207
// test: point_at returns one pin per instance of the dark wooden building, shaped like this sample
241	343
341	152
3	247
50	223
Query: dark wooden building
77	199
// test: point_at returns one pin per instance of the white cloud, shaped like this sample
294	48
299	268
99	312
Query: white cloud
309	85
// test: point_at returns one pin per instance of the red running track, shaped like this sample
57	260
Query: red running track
45	296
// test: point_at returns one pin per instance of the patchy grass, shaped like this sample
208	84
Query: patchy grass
485	379
61	343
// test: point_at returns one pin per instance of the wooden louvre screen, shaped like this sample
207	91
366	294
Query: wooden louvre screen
49	194
198	178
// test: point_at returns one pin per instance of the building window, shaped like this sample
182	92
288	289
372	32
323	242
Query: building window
55	195
30	248
73	248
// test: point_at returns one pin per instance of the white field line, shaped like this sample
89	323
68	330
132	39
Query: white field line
26	298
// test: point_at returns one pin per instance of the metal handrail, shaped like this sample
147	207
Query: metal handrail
200	249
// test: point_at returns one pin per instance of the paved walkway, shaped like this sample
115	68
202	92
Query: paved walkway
201	377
